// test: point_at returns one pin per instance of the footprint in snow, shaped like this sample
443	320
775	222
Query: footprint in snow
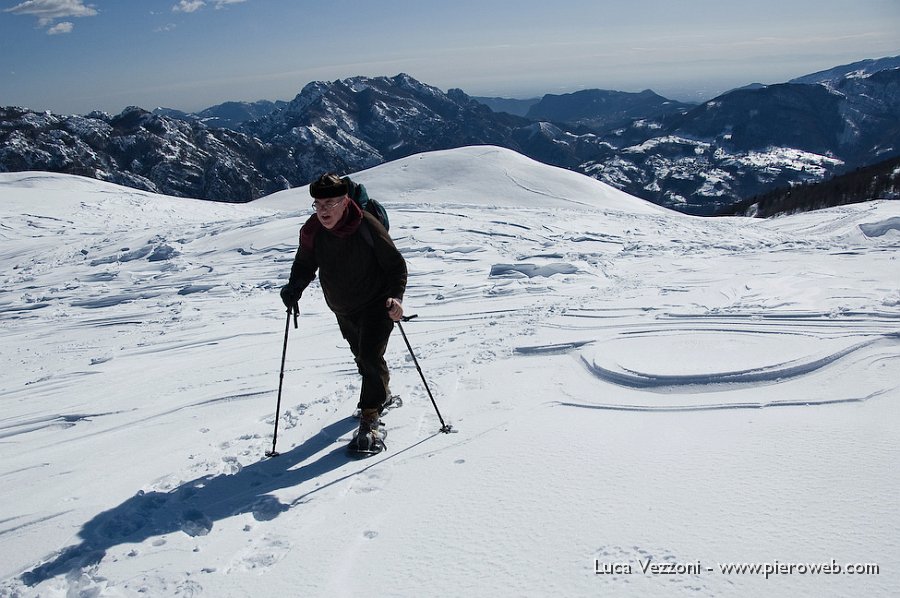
260	555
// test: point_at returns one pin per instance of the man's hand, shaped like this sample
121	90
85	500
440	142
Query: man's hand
289	296
395	309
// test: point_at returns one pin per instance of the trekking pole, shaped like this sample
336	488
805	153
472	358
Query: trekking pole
295	311
445	428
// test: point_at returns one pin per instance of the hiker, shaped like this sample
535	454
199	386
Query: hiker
363	279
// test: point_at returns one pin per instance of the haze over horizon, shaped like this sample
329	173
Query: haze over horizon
74	56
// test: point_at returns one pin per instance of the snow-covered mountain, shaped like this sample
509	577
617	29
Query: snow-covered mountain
694	160
862	68
643	399
145	151
751	140
735	146
360	122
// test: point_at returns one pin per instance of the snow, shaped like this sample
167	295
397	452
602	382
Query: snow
877	229
653	144
627	384
788	158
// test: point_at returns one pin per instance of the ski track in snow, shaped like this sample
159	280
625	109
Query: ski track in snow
145	333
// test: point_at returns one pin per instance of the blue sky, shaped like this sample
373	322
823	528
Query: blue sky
74	56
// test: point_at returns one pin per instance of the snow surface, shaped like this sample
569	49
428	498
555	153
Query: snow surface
627	384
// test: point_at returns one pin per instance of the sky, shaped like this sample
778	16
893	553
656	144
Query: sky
74	56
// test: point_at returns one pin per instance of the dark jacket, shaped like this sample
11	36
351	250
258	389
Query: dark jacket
355	275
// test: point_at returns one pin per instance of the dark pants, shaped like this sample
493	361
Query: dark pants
367	333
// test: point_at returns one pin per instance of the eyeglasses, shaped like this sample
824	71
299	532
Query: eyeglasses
326	206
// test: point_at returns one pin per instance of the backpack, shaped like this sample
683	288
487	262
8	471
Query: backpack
357	193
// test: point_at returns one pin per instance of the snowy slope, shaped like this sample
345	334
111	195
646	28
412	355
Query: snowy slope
485	176
628	385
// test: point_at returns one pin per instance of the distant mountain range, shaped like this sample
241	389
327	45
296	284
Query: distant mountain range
230	115
602	110
694	158
508	105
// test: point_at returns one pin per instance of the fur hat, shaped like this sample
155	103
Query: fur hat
327	186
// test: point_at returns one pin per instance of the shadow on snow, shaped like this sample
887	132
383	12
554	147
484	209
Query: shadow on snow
193	506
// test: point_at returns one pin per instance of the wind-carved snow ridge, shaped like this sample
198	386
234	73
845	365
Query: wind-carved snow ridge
14	428
615	363
774	373
532	270
878	229
724	406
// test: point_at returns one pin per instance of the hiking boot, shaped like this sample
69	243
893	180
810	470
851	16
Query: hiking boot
391	402
369	417
370	436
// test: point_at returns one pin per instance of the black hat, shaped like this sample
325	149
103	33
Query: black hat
327	186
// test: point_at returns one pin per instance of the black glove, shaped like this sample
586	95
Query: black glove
290	296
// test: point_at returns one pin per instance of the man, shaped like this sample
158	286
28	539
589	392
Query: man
363	278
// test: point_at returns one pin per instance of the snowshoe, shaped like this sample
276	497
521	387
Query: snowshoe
369	439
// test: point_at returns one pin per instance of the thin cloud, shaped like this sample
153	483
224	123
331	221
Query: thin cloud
48	11
188	6
195	5
59	28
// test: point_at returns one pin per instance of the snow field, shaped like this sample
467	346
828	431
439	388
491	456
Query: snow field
626	383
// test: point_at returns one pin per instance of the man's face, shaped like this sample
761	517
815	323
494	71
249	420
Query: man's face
330	211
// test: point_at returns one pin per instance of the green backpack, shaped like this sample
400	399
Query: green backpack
357	193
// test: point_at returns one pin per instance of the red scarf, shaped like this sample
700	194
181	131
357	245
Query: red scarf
349	223
346	226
